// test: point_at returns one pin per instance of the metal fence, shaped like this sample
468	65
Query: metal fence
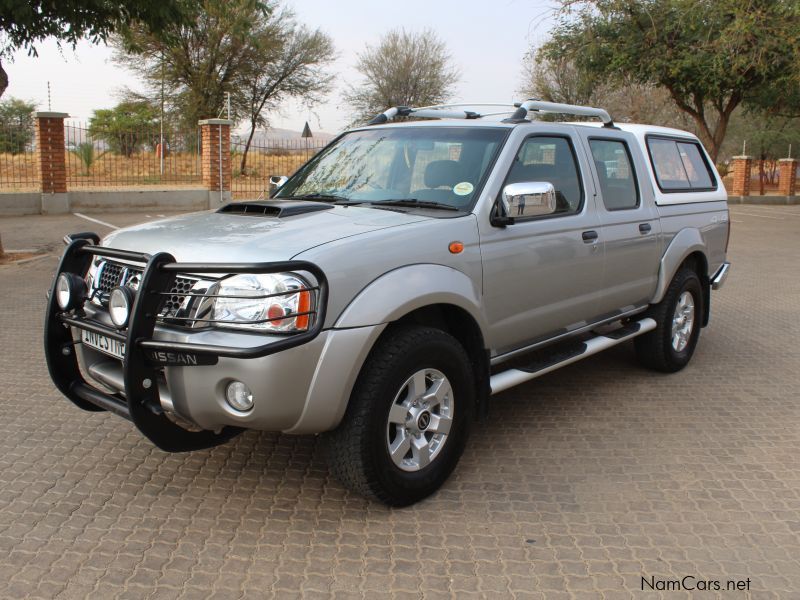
18	170
131	158
267	157
109	159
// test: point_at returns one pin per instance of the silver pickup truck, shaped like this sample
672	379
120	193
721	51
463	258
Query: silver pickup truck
396	281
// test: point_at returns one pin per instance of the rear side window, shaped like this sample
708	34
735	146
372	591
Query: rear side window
679	165
615	172
551	159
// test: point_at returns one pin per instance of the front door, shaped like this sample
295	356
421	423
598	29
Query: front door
543	274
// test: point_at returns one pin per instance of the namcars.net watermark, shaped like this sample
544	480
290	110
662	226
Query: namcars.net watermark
692	583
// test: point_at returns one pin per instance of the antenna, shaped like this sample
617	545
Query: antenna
161	134
49	108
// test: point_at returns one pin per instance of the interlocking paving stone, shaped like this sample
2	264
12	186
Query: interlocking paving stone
577	486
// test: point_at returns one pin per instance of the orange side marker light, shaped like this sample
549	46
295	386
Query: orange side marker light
456	247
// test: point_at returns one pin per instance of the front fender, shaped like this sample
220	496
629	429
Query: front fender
682	245
398	292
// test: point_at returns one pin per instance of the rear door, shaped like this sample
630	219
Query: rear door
629	221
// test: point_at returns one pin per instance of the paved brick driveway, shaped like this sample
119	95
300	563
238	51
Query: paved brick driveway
579	484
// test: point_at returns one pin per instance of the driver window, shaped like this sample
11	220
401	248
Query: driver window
549	159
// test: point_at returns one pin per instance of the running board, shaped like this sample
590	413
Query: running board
508	379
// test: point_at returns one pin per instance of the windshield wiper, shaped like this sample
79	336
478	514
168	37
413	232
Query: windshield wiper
318	196
414	203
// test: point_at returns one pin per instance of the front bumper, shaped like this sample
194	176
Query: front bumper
156	357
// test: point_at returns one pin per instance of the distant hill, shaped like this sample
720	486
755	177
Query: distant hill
276	133
77	134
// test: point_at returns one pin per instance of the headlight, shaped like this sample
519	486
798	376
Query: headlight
120	303
270	302
70	292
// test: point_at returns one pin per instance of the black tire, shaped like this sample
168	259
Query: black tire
655	349
358	450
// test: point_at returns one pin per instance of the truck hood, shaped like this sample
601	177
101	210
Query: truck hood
229	237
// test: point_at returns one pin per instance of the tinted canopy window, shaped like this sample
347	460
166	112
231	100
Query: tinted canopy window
679	165
433	164
616	175
550	159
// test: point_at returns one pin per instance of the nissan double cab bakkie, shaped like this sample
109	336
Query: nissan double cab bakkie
398	279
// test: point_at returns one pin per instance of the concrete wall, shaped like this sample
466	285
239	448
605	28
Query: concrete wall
21	203
784	200
34	203
132	201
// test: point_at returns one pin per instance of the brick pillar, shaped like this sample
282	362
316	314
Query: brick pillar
742	168
787	176
215	135
51	161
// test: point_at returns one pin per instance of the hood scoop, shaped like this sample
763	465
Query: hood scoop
278	209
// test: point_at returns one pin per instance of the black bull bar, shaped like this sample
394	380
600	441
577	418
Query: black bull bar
140	402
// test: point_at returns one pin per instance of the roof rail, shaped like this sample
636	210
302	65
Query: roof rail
556	107
519	109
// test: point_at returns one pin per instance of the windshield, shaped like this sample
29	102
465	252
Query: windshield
427	167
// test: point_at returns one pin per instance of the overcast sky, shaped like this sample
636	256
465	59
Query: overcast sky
487	40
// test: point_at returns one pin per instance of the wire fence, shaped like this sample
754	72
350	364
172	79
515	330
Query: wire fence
267	157
131	158
18	170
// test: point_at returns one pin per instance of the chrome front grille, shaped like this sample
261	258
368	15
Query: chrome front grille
110	274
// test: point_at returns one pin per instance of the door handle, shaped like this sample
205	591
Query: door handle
644	228
589	236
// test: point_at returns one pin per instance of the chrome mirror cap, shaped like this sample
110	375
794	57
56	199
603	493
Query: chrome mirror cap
528	199
277	180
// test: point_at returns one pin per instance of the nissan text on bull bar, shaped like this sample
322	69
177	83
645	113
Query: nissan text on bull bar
401	277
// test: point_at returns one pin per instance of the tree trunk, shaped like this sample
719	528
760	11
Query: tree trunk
247	147
3	81
2	252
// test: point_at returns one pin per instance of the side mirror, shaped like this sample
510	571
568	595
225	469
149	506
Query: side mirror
525	199
277	181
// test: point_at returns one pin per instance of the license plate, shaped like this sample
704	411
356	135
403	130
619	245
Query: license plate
104	344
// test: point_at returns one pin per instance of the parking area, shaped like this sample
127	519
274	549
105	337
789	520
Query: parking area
582	484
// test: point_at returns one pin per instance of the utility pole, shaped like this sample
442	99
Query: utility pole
161	135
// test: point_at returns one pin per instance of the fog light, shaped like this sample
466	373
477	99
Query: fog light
119	306
239	396
71	291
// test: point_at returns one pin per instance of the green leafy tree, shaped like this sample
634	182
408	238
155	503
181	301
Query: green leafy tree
711	56
198	61
559	79
249	49
24	23
126	127
16	125
404	69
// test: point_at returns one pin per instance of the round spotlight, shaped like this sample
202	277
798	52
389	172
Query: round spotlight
119	306
239	396
71	291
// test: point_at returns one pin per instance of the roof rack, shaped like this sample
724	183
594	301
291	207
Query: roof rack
519	109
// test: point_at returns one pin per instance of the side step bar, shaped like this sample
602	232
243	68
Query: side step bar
508	379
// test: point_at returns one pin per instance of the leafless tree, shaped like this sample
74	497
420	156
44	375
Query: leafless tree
404	69
291	63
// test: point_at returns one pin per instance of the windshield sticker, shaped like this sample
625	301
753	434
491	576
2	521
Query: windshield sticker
463	188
